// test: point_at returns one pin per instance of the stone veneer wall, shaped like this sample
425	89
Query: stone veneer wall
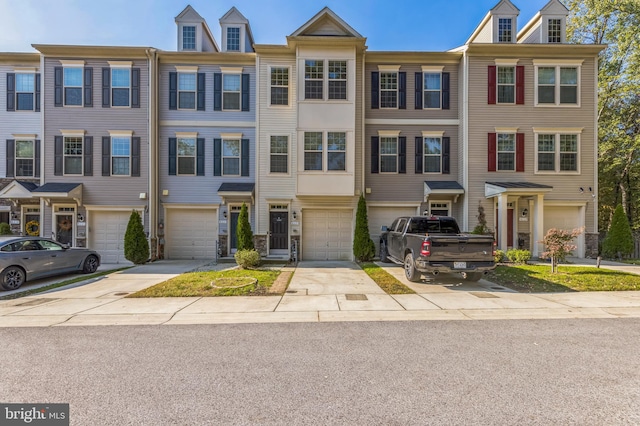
260	244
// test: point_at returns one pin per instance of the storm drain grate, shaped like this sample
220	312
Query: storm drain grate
120	294
35	302
356	297
482	295
497	288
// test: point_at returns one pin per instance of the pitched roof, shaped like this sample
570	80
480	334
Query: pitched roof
326	23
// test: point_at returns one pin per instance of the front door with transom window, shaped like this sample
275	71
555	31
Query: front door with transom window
278	230
64	228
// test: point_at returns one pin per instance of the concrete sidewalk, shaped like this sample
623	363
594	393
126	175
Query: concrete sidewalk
318	292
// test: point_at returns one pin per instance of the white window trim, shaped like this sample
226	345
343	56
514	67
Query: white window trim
431	70
122	136
72	64
432	135
305	80
288	155
288	68
389	135
64	168
397	73
544	33
28	71
239	92
325	142
187	70
196	35
515	84
496	28
445	202
31	139
121	65
557	132
242	46
187	135
325	152
507	131
328	80
547	63
230	138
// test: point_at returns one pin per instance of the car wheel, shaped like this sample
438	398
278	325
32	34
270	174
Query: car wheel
383	252
12	278
410	269
90	265
472	276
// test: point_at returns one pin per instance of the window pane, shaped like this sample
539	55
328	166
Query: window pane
24	101
336	141
120	97
188	37
187	81
120	166
186	147
313	161
388	146
546	94
279	76
546	75
388	99
568	143
279	145
388	81
431	81
186	100
546	161
568	95
432	99
73	165
432	146
120	146
337	90
233	39
313	69
231	83
231	101
231	166
231	148
278	164
24	167
279	96
24	82
279	154
506	75
546	143
506	142
73	96
73	77
504	30
568	76
568	162
186	166
506	161
24	149
313	90
388	90
336	160
432	164
506	94
313	141
388	164
120	77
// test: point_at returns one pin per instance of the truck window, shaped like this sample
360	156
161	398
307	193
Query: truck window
449	227
401	224
393	226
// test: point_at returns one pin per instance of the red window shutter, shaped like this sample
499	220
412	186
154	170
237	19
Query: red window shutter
519	152
492	91
493	152
520	85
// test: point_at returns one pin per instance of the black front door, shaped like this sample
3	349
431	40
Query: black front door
233	227
278	230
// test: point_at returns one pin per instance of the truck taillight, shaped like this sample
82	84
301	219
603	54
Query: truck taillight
426	249
495	248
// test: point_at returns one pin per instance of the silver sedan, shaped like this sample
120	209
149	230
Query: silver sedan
30	258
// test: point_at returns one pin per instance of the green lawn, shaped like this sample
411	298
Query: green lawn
198	284
539	279
386	281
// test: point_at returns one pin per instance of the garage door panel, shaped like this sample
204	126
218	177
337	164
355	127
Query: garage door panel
107	235
567	218
327	235
191	234
384	216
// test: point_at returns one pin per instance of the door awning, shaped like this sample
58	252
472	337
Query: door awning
493	189
443	187
59	190
236	190
18	190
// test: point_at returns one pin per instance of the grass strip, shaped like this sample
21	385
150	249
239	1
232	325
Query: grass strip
386	281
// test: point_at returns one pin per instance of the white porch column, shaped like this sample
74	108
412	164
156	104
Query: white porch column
502	224
538	225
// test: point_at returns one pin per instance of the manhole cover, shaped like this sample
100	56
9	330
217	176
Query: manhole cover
356	297
34	302
485	295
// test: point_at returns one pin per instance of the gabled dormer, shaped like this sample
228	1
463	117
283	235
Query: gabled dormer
236	32
326	23
549	26
194	34
498	26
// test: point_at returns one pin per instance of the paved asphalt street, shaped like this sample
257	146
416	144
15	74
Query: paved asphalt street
526	372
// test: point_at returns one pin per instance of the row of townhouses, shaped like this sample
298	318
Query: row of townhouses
505	123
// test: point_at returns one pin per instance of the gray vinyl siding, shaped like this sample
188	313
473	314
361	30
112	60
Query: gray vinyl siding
410	112
484	118
97	121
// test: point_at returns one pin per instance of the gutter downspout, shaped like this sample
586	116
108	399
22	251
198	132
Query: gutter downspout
153	151
465	139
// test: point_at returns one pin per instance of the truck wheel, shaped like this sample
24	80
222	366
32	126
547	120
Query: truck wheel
410	269
472	276
383	252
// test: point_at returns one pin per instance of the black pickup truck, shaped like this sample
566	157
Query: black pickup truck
434	244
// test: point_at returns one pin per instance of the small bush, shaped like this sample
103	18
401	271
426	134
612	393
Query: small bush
619	240
5	229
363	247
519	256
136	247
243	231
247	259
499	257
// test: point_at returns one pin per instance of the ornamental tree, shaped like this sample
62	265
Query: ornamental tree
619	239
243	231
363	247
136	247
558	245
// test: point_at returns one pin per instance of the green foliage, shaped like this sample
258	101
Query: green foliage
136	247
243	231
481	227
5	229
519	256
363	247
499	257
247	259
558	245
619	239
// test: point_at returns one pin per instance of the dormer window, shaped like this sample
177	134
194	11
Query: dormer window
233	39
189	37
554	32
505	30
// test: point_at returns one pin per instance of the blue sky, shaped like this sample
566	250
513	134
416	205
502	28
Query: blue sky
427	25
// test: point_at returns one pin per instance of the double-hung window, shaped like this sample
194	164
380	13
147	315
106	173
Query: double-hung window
506	81
72	155
554	30
231	92
336	151
279	86
313	151
25	90
505	30
233	39
231	157
188	37
557	152
432	90
432	155
24	158
120	156
558	85
325	151
388	155
506	148
279	154
313	79
337	79
186	152
120	86
72	80
388	90
187	90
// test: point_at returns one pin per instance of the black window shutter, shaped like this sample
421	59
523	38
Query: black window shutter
11	149
375	149
11	91
418	101
88	155
446	90
446	154
135	87
402	154
244	158
217	157
106	87
173	156
418	155
36	158
57	155
201	91
217	91
106	156
57	88
200	157
37	106
246	83
135	156
375	90
173	90
402	90
88	87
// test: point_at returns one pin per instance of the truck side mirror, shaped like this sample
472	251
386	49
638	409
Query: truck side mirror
384	228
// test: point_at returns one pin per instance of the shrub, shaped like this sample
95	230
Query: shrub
136	247
243	231
5	229
558	245
499	257
248	258
619	239
519	256
363	247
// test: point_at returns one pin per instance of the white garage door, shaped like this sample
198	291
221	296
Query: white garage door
327	235
107	234
379	216
191	234
567	218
